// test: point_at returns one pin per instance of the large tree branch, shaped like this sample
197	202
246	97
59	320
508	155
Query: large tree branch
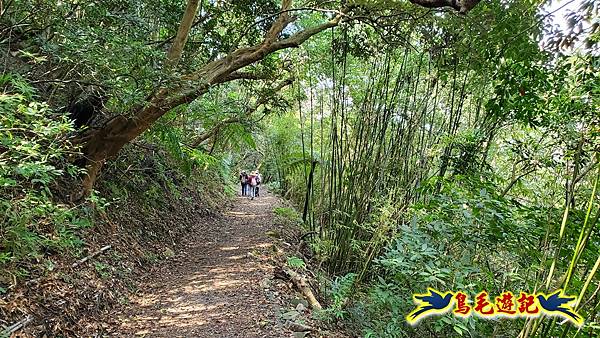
183	32
107	141
586	170
217	71
161	43
515	180
297	39
436	3
213	131
279	25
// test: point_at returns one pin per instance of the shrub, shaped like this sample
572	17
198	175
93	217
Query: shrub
33	157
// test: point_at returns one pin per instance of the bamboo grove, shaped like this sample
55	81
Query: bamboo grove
416	167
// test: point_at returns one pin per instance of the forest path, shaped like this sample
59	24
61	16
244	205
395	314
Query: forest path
213	287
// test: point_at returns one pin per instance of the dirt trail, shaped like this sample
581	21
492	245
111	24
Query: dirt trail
212	289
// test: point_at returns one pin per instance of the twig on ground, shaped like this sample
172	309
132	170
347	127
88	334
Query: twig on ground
16	326
85	259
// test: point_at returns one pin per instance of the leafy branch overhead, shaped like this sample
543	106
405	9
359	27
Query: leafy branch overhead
247	114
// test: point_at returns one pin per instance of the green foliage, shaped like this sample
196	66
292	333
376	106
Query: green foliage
285	164
538	94
104	270
340	291
434	171
189	159
295	262
34	154
445	245
287	213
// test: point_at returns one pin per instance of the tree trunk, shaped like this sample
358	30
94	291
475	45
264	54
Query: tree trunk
463	6
106	142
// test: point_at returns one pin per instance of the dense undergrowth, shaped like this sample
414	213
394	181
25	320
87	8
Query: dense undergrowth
35	153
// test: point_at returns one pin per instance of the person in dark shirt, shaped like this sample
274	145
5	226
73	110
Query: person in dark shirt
244	182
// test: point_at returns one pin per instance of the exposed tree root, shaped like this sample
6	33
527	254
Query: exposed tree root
302	284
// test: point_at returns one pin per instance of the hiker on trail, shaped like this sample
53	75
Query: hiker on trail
244	182
258	181
253	183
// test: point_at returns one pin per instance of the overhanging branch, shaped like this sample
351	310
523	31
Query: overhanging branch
264	99
463	6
